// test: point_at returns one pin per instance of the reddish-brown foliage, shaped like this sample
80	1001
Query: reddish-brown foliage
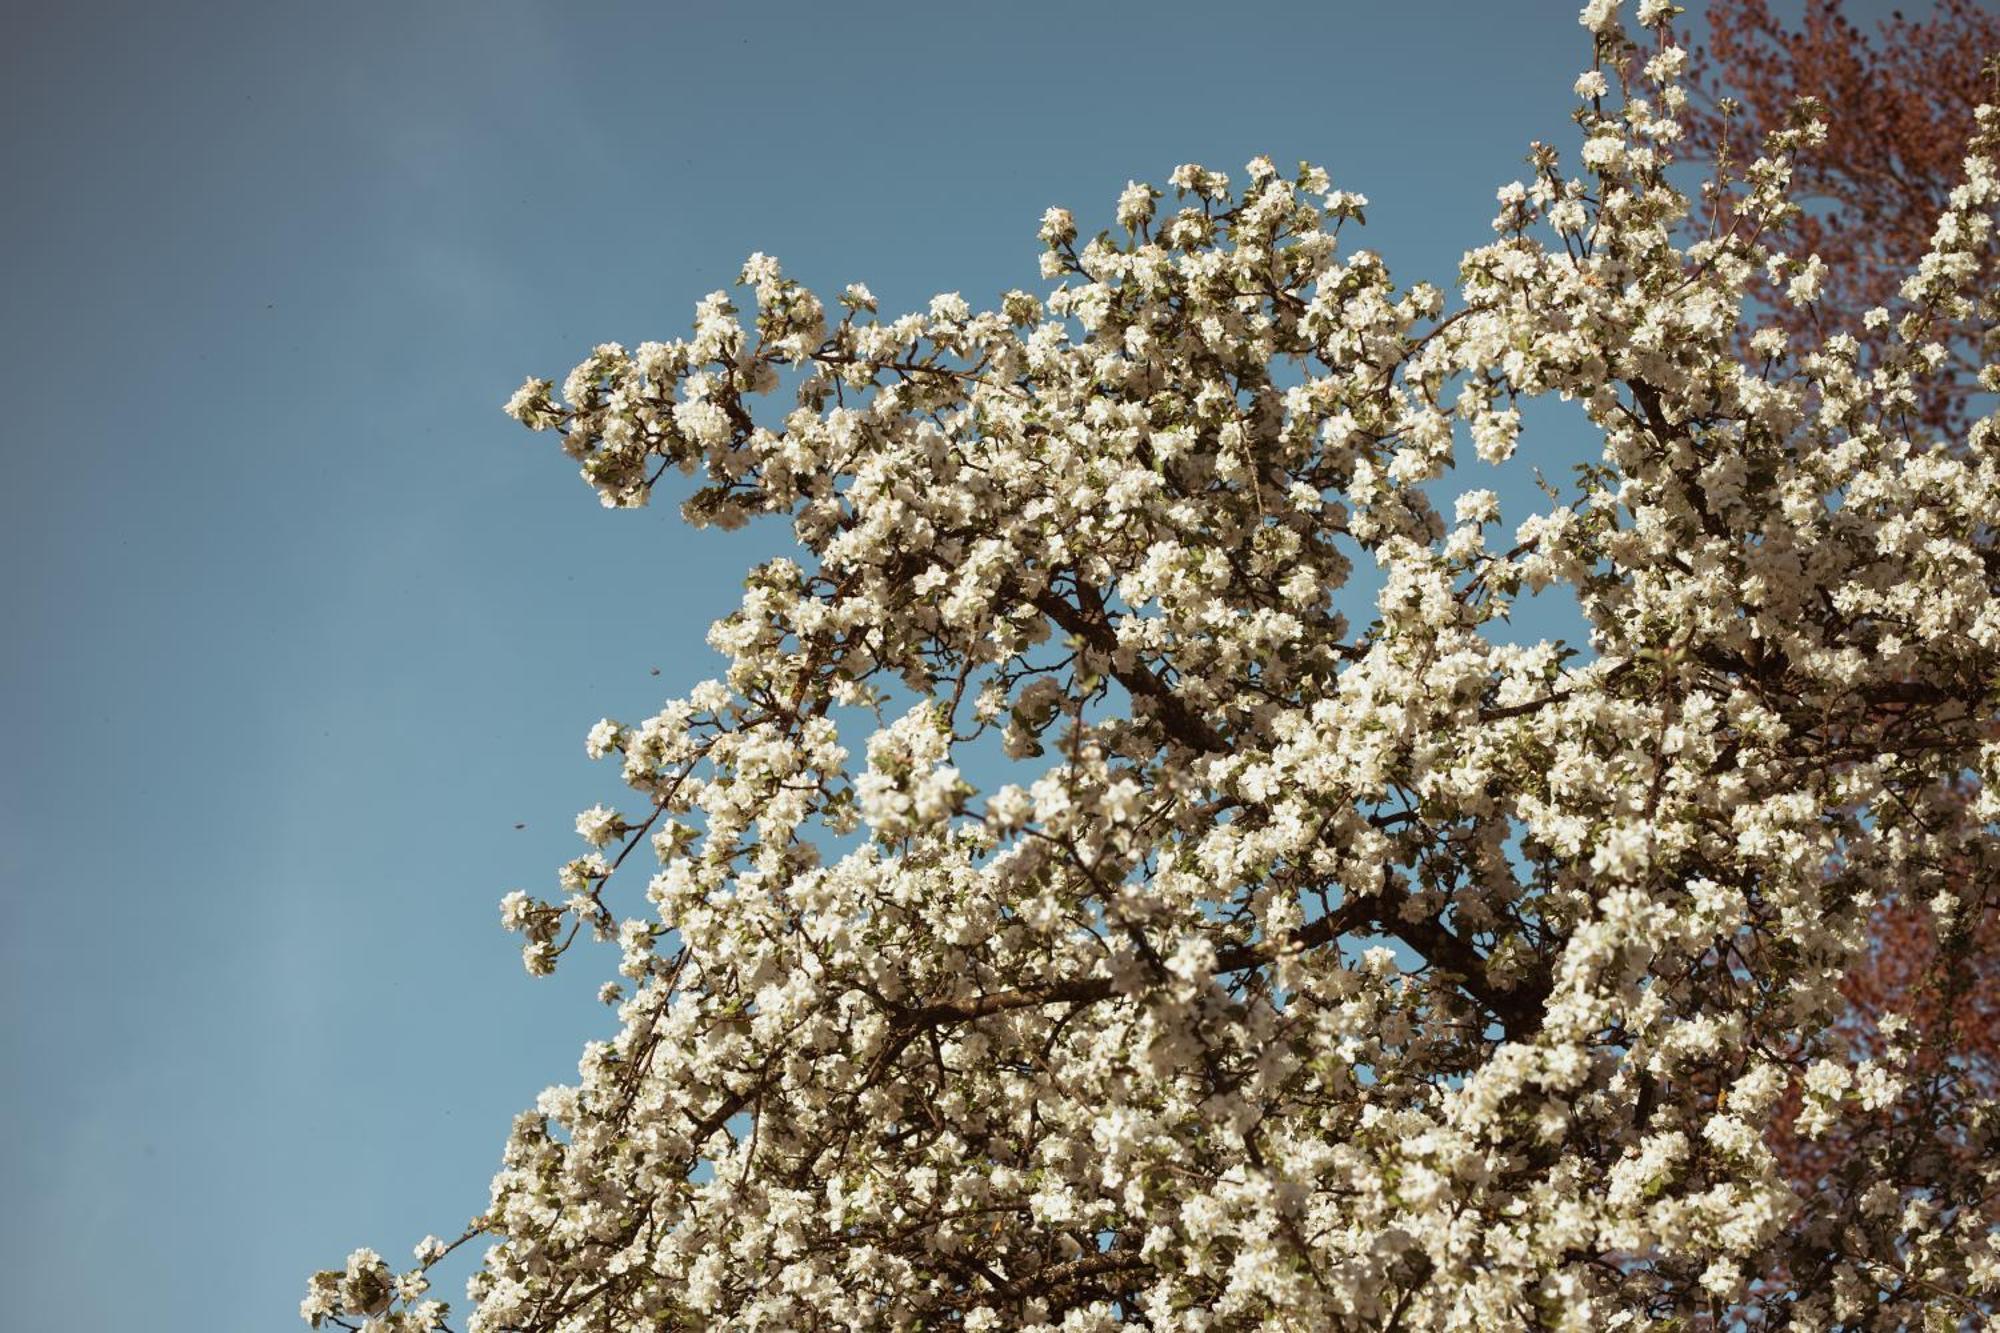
1947	983
1898	110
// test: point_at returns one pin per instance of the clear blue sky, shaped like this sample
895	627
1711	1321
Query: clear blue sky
299	627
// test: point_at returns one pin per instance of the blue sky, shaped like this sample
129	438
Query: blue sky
301	627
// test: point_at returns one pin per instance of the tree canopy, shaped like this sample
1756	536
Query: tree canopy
1325	958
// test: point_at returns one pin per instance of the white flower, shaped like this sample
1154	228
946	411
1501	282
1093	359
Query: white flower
1494	434
515	909
1722	1278
1652	13
603	739
598	825
1135	205
1121	800
1805	285
531	404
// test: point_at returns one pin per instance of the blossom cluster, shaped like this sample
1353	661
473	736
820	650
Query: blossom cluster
1328	959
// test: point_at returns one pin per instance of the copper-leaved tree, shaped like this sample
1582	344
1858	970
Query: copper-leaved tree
1080	906
1897	104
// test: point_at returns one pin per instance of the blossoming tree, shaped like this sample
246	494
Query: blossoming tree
1327	960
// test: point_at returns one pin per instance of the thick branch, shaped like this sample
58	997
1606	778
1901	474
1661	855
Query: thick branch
1088	990
1174	714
